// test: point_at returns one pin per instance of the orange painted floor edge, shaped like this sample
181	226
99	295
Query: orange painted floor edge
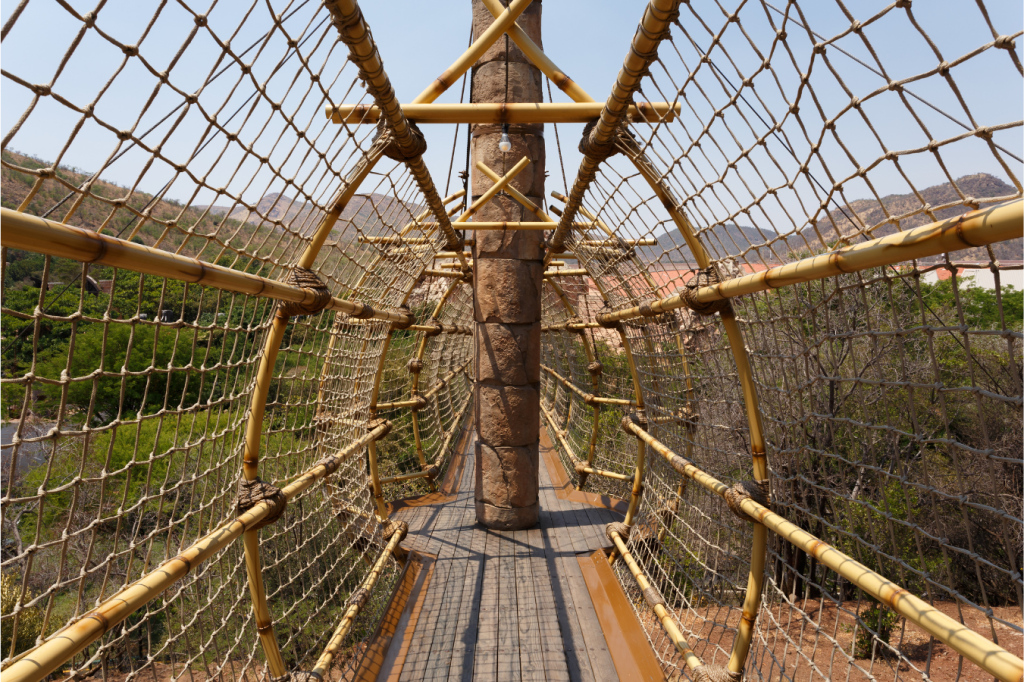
564	488
631	652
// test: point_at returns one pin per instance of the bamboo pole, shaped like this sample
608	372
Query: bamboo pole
323	664
567	273
445	329
39	235
668	623
654	26
404	477
497	113
516	194
468	58
509	225
973	229
539	59
614	242
588	398
363	52
570	326
439	273
60	647
579	465
987	655
498	185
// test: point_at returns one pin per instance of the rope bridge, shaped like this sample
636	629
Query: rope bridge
759	331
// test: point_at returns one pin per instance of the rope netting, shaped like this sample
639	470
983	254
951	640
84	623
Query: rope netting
886	399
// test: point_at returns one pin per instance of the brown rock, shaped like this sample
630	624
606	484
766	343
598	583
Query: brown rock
515	244
507	477
506	354
499	518
529	21
507	416
530	180
508	291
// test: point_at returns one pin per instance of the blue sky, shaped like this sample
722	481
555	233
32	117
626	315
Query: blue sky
418	40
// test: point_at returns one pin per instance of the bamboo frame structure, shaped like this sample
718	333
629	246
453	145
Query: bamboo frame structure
668	623
987	655
567	273
588	398
493	190
323	665
654	26
581	467
39	235
516	194
468	58
497	113
976	228
61	646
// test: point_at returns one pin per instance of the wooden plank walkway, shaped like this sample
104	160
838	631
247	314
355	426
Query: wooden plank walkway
507	605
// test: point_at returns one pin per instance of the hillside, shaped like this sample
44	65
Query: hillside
732	238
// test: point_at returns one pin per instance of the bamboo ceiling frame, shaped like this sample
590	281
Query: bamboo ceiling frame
497	113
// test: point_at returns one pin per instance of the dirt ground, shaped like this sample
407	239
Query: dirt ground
820	644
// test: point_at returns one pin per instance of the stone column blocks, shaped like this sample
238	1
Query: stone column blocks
508	290
504	354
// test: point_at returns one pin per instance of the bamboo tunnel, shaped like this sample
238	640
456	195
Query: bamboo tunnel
30	233
512	112
989	656
973	229
48	656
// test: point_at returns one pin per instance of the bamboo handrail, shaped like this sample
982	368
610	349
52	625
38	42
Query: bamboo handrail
654	26
588	398
575	272
539	59
987	655
60	647
39	235
444	328
404	477
970	230
668	623
355	33
579	465
474	52
509	225
439	273
443	381
496	113
323	664
429	395
647	241
570	326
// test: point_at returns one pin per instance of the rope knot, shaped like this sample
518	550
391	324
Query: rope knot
435	328
758	491
595	368
251	493
634	418
617	527
393	150
431	470
702	278
715	673
317	297
1004	42
391	527
653	597
373	424
415	366
409	320
591	148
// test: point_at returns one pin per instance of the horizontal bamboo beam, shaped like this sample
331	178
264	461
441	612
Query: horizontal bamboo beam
614	242
567	273
405	477
496	113
970	230
470	57
579	465
510	225
498	185
39	235
604	472
988	656
570	326
668	623
445	328
588	398
440	273
61	646
443	381
323	664
413	241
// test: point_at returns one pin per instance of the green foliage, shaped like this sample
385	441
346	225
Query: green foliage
878	621
30	621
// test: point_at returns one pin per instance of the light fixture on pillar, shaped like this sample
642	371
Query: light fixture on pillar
505	144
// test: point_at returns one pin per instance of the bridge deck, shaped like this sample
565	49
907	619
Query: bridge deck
505	605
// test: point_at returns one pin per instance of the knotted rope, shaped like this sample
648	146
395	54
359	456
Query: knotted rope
251	493
747	490
314	288
392	150
702	278
617	527
715	673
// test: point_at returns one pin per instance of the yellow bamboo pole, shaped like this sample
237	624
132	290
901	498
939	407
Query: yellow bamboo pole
588	398
497	113
668	623
570	326
654	26
323	664
539	59
60	647
39	235
614	242
580	466
516	194
498	185
988	656
973	229
567	273
501	24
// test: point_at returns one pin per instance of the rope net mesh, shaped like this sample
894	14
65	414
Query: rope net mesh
890	398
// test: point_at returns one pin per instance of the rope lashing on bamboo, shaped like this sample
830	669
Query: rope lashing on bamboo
595	368
431	470
251	493
305	676
308	281
758	491
653	597
617	527
409	319
391	527
706	277
415	366
590	147
393	151
358	598
436	328
715	673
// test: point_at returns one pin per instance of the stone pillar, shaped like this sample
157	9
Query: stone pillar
507	292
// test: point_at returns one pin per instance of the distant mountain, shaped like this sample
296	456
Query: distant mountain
729	238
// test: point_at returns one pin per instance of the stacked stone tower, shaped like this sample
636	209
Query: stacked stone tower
507	290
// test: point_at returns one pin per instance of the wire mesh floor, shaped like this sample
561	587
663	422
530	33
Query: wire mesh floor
507	605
